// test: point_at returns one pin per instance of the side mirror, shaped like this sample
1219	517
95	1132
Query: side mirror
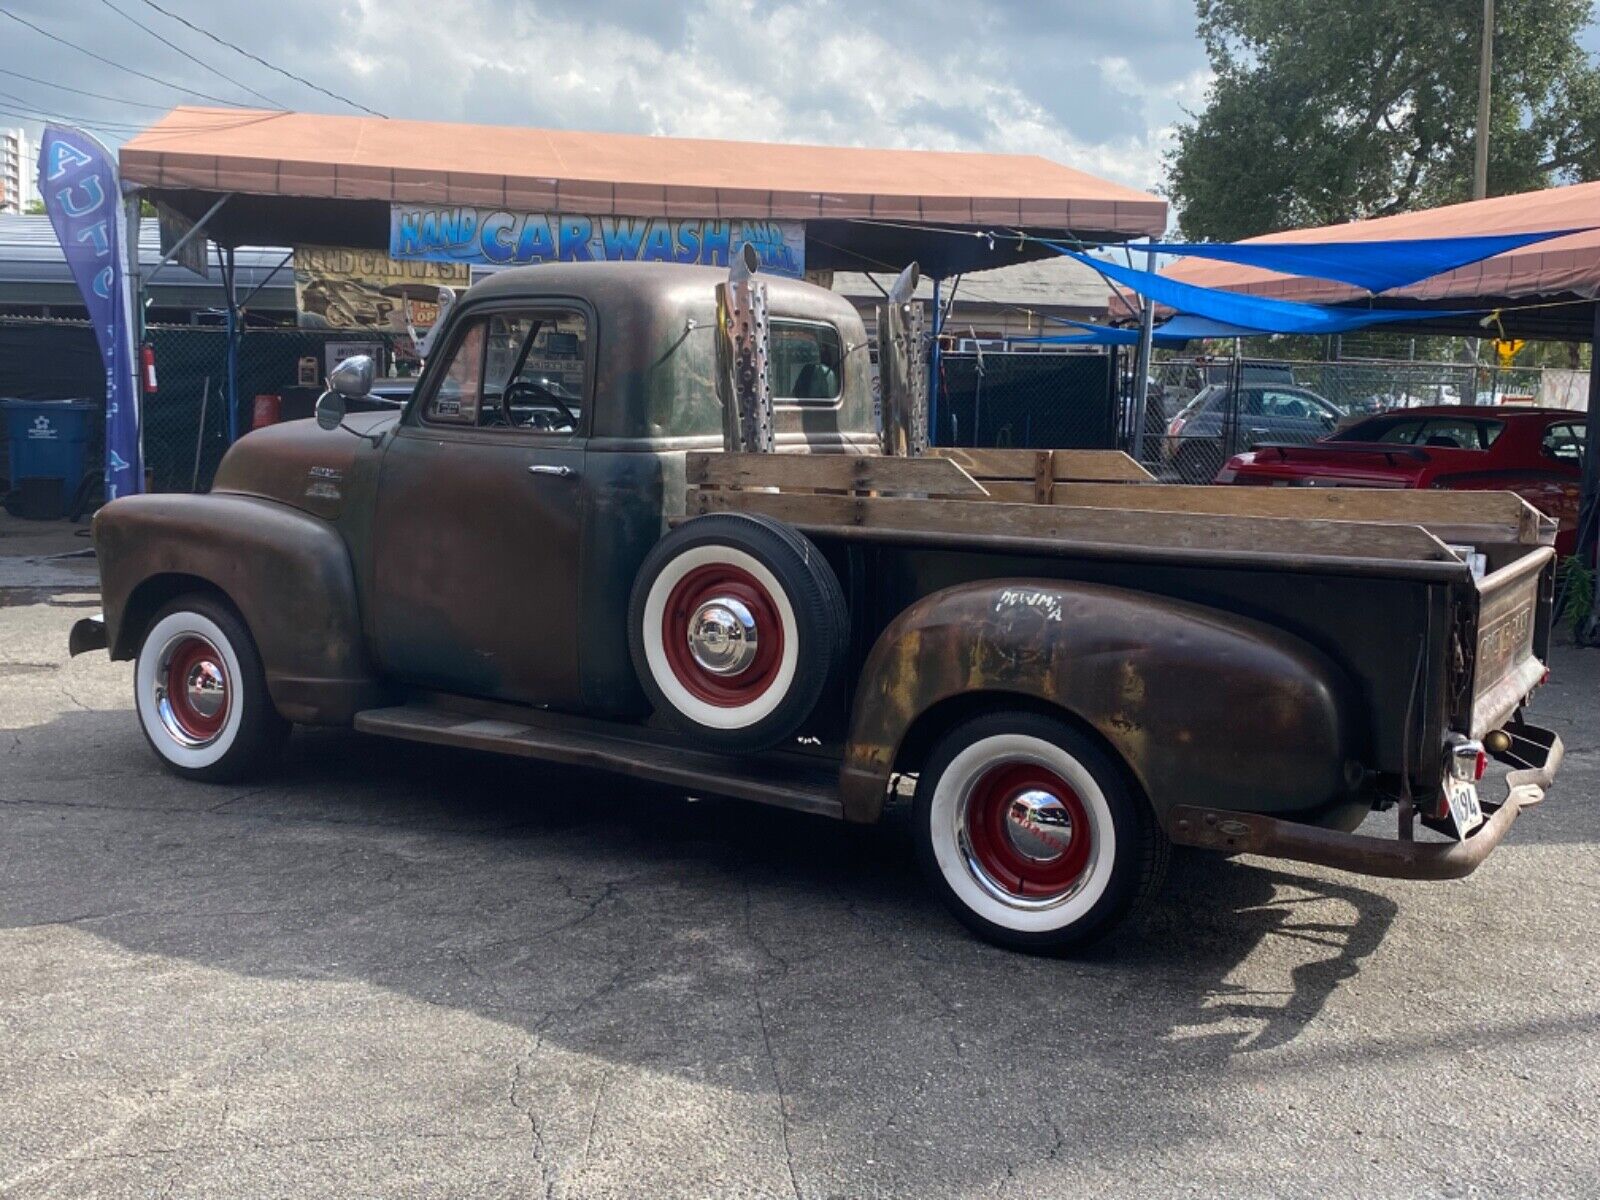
352	378
330	410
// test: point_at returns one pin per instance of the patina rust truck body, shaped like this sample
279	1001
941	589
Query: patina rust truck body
1076	665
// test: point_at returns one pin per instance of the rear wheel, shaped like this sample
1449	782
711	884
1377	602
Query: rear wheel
201	693
1029	833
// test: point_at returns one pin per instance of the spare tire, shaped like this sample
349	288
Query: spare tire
736	626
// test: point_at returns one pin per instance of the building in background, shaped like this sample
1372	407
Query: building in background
989	306
16	171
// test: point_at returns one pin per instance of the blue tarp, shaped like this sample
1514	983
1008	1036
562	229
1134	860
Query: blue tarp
1105	335
1251	314
1375	266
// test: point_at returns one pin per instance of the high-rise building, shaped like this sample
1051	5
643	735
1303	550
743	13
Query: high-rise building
16	171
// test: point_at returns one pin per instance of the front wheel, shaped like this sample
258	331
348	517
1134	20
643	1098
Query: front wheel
201	693
1029	833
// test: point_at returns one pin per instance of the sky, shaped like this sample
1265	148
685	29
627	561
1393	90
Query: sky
1093	85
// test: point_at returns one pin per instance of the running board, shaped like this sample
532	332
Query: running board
784	779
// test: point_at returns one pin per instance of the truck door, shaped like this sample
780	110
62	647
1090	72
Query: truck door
480	511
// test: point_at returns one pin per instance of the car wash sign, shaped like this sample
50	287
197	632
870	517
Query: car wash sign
500	237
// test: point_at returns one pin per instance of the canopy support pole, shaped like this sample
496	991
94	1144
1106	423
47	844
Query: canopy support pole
933	368
1589	507
233	344
1141	371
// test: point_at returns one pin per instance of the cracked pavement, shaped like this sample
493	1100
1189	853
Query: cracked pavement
399	970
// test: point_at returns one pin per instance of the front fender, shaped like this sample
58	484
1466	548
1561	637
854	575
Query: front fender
1204	707
287	573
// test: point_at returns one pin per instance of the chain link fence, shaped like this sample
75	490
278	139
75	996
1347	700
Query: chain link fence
1201	412
1029	400
186	421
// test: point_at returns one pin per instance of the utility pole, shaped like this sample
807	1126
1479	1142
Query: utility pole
1480	165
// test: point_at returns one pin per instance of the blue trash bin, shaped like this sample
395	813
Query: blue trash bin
49	439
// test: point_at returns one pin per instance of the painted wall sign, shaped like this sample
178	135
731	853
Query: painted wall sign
504	238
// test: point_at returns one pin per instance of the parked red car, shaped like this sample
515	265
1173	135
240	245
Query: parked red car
1535	452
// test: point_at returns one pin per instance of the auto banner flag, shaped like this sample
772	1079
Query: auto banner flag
82	195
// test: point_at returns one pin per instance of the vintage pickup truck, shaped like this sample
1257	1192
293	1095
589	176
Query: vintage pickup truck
1065	665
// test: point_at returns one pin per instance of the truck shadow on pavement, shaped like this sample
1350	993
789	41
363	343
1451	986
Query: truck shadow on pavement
788	959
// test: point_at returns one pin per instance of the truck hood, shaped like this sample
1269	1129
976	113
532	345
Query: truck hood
300	464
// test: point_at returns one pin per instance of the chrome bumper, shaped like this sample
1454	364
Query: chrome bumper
1534	753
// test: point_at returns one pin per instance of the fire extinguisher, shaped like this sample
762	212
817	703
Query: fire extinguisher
147	368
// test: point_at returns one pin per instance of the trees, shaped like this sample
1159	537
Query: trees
1330	110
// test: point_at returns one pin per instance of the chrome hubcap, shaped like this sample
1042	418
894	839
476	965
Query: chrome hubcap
1038	826
722	636
206	688
190	690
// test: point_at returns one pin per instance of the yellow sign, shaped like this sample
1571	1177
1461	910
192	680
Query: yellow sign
1507	349
340	288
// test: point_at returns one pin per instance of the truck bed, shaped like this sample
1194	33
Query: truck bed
1319	563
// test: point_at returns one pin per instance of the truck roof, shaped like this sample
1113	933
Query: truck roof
666	284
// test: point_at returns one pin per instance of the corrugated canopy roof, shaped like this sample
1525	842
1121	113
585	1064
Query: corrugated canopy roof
304	178
1563	268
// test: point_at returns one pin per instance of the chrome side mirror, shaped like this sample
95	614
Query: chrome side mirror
352	378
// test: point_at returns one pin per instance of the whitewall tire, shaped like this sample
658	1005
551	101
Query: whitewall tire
200	692
1030	833
737	625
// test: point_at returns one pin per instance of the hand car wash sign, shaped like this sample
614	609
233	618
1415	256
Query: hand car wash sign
504	238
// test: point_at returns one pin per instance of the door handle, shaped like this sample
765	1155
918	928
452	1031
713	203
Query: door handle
560	471
1259	431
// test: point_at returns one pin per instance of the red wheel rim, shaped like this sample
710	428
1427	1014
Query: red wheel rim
1000	821
708	583
195	689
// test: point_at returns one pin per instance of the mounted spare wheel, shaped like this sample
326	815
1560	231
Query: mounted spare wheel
736	626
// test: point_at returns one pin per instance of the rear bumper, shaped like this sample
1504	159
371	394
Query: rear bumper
1535	754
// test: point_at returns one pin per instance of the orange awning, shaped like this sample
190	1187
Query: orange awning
305	158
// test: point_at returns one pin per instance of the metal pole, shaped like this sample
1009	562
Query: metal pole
933	368
233	347
1480	161
1588	516
1141	380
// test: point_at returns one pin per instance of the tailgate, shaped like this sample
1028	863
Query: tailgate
1505	665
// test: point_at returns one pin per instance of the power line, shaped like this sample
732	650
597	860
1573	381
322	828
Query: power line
111	63
257	58
199	62
79	91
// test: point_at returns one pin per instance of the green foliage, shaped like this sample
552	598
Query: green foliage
35	208
1331	110
1575	582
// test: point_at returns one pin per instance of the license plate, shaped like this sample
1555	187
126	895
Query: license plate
1466	814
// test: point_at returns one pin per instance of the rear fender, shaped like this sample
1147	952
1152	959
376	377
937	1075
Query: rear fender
1197	702
287	573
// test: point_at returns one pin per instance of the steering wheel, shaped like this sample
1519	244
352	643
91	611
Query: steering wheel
539	395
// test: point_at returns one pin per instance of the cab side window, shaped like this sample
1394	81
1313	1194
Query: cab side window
536	377
525	370
459	395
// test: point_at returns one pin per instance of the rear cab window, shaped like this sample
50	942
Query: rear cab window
807	363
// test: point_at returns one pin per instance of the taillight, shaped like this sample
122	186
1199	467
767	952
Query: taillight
1176	427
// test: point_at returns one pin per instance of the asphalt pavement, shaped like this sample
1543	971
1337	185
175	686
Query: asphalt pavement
408	971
